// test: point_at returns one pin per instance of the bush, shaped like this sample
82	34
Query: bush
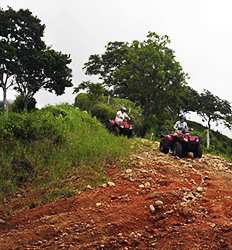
105	111
84	102
30	126
46	145
19	104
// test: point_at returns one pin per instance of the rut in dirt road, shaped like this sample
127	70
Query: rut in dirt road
158	202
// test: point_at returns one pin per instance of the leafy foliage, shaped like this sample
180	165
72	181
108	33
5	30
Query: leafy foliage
25	61
148	74
19	104
220	144
214	109
48	69
30	127
145	72
20	35
95	90
102	111
105	108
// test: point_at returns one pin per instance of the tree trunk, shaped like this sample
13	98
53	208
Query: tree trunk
208	136
5	105
207	139
145	126
25	108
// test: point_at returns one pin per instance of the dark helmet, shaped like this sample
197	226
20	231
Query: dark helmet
123	108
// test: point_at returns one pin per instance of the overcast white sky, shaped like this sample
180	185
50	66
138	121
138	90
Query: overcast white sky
200	33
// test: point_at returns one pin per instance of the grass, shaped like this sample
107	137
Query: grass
58	149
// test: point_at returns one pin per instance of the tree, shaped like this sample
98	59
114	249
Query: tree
95	90
19	104
214	109
145	72
185	101
20	31
25	61
46	69
105	65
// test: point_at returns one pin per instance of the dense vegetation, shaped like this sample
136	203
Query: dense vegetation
104	108
148	73
44	146
220	144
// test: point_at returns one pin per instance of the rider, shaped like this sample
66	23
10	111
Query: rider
181	125
121	116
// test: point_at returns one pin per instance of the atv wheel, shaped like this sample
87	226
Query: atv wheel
178	149
198	151
129	134
117	131
163	147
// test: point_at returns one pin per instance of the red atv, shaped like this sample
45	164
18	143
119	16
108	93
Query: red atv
125	128
181	144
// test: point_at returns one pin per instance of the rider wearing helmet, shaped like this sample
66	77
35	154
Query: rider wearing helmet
181	125
121	115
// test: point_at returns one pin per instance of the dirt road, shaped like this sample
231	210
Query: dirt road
157	202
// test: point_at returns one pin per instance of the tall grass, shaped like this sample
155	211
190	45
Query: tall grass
43	148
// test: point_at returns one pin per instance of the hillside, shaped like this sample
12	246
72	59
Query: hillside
41	151
156	202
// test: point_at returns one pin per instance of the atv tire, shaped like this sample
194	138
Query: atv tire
198	151
163	147
117	131
129	134
178	149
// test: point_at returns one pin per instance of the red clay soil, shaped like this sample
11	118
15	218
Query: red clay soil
159	202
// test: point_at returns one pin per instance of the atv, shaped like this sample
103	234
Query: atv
125	128
180	144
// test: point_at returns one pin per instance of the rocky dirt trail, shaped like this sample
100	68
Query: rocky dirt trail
157	202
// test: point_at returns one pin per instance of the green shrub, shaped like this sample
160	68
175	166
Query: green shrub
46	145
19	104
105	109
31	126
102	111
84	102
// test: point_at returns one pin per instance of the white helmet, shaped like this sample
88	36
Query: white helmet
123	108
